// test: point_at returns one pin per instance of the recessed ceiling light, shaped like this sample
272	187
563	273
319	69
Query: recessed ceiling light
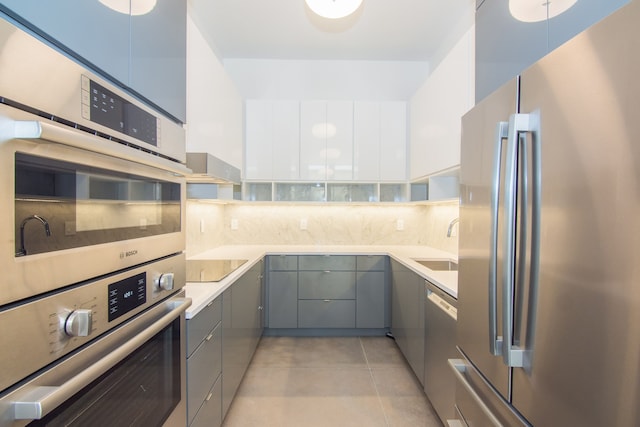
536	10
333	9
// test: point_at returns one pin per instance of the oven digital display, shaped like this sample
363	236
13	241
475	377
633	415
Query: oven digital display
126	295
114	112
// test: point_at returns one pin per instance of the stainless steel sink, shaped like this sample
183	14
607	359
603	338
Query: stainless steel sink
438	264
211	270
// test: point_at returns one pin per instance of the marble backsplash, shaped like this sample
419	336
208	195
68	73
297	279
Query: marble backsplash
212	224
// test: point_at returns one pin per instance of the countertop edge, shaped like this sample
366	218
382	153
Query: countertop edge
203	293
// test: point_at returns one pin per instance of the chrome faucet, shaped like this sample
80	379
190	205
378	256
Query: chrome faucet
451	224
47	231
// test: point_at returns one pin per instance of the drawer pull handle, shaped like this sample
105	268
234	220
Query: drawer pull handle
209	337
210	304
327	300
209	397
327	271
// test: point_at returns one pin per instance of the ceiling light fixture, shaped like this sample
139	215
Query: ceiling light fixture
135	7
537	10
333	9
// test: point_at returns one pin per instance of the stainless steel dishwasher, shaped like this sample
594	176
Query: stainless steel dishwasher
440	345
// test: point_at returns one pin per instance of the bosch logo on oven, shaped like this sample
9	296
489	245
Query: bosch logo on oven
127	254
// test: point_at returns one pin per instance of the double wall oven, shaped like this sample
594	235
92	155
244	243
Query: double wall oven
91	247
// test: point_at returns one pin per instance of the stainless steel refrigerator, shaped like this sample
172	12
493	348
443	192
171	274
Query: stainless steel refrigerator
549	259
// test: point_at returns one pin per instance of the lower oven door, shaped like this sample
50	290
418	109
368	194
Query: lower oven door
133	376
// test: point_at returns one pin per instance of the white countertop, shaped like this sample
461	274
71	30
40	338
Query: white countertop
203	293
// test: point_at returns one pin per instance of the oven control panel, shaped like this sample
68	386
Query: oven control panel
43	330
126	295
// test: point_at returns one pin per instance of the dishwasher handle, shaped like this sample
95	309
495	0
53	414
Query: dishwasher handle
442	304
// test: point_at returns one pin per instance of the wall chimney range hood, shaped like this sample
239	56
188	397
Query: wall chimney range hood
210	169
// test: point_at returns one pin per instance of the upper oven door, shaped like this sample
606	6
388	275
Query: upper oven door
74	214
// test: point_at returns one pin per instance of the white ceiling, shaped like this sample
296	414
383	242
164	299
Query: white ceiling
381	30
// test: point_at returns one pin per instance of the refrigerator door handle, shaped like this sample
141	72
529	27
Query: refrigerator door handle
495	341
512	355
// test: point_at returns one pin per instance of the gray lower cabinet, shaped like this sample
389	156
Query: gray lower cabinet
327	313
204	366
408	315
328	291
283	299
282	283
370	299
242	325
372	291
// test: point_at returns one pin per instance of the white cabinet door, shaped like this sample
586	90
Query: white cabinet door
393	141
437	108
272	140
366	141
380	141
339	145
313	140
158	67
259	139
286	140
326	140
88	28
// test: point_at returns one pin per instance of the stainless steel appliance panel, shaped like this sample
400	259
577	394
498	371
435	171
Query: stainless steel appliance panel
26	276
49	389
439	346
584	342
567	266
48	81
37	331
482	156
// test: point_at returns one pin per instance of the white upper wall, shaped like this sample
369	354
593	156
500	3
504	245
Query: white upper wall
319	79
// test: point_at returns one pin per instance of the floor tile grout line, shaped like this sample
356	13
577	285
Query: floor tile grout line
373	380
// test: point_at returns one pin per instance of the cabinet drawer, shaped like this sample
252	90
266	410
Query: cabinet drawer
371	262
283	262
327	262
203	367
327	314
201	324
327	285
210	413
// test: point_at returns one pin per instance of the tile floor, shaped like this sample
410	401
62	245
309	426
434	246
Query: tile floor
308	382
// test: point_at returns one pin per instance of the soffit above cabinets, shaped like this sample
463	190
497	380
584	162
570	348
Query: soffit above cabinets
380	30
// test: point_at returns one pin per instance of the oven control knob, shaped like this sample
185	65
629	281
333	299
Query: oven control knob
165	282
78	323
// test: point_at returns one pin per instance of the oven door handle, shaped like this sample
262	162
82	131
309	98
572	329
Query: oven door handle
51	132
39	401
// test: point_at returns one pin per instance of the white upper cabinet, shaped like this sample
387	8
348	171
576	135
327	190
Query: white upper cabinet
318	141
339	144
326	140
259	140
158	67
508	44
286	140
393	141
272	140
379	141
215	108
145	52
366	141
437	108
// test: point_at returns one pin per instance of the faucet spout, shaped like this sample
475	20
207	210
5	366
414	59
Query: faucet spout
44	222
451	224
